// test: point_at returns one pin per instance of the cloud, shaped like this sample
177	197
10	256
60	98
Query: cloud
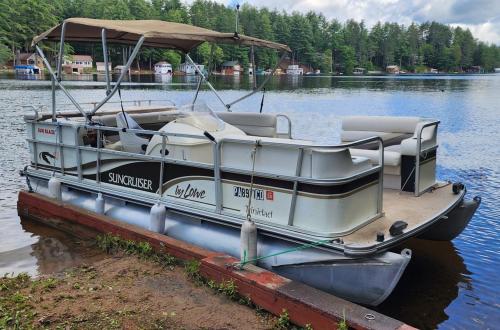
482	17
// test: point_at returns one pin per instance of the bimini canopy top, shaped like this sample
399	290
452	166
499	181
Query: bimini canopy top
159	34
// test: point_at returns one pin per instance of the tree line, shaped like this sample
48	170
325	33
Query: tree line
328	45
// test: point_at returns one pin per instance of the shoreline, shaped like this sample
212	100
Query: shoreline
127	288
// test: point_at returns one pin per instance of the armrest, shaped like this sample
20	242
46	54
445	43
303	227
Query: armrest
288	133
425	137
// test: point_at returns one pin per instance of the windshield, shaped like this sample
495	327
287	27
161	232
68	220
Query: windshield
201	116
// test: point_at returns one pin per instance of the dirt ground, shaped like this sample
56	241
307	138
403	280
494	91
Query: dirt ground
122	291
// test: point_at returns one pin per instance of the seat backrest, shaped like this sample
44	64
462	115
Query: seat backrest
387	124
130	141
256	124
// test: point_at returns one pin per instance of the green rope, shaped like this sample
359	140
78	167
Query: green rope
298	248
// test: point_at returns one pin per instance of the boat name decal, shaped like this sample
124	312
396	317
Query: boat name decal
130	181
189	192
46	130
259	211
258	194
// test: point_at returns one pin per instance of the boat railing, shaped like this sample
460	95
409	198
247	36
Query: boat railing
421	152
138	102
288	134
216	166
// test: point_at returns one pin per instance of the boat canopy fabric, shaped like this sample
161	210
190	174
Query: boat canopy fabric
159	34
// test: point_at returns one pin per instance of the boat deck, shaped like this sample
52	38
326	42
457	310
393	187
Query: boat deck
418	212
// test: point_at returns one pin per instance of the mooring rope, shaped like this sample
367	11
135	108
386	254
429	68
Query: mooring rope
304	246
254	155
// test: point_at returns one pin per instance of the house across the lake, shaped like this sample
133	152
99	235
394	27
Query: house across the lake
28	63
77	64
190	69
392	69
29	59
231	68
295	70
163	67
101	66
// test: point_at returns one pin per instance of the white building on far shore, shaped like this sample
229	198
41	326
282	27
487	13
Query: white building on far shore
294	69
189	69
163	67
101	67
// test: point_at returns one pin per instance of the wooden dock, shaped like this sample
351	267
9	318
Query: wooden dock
272	292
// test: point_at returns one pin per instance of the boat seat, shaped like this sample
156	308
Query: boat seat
392	130
399	135
131	142
255	124
336	163
317	163
142	117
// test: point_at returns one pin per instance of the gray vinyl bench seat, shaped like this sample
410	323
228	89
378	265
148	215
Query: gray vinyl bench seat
399	135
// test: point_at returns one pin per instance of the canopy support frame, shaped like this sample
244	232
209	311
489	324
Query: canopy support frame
258	89
61	52
106	61
208	82
252	57
125	69
56	81
56	74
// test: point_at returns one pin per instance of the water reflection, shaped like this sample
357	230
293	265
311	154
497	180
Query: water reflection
163	78
52	252
431	281
449	285
286	82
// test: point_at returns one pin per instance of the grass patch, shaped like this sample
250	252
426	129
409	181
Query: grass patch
16	311
342	325
112	244
283	321
192	268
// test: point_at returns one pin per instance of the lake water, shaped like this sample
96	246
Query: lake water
449	285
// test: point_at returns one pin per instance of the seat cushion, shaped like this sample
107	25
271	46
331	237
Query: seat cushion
380	124
256	124
391	158
388	139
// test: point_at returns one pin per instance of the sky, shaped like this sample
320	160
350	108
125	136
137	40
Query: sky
482	17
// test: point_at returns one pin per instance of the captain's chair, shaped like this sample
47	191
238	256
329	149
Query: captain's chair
131	142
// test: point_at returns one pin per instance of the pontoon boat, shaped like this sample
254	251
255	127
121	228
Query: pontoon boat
235	182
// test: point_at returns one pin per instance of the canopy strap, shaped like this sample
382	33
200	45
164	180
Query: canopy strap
254	156
262	100
121	105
